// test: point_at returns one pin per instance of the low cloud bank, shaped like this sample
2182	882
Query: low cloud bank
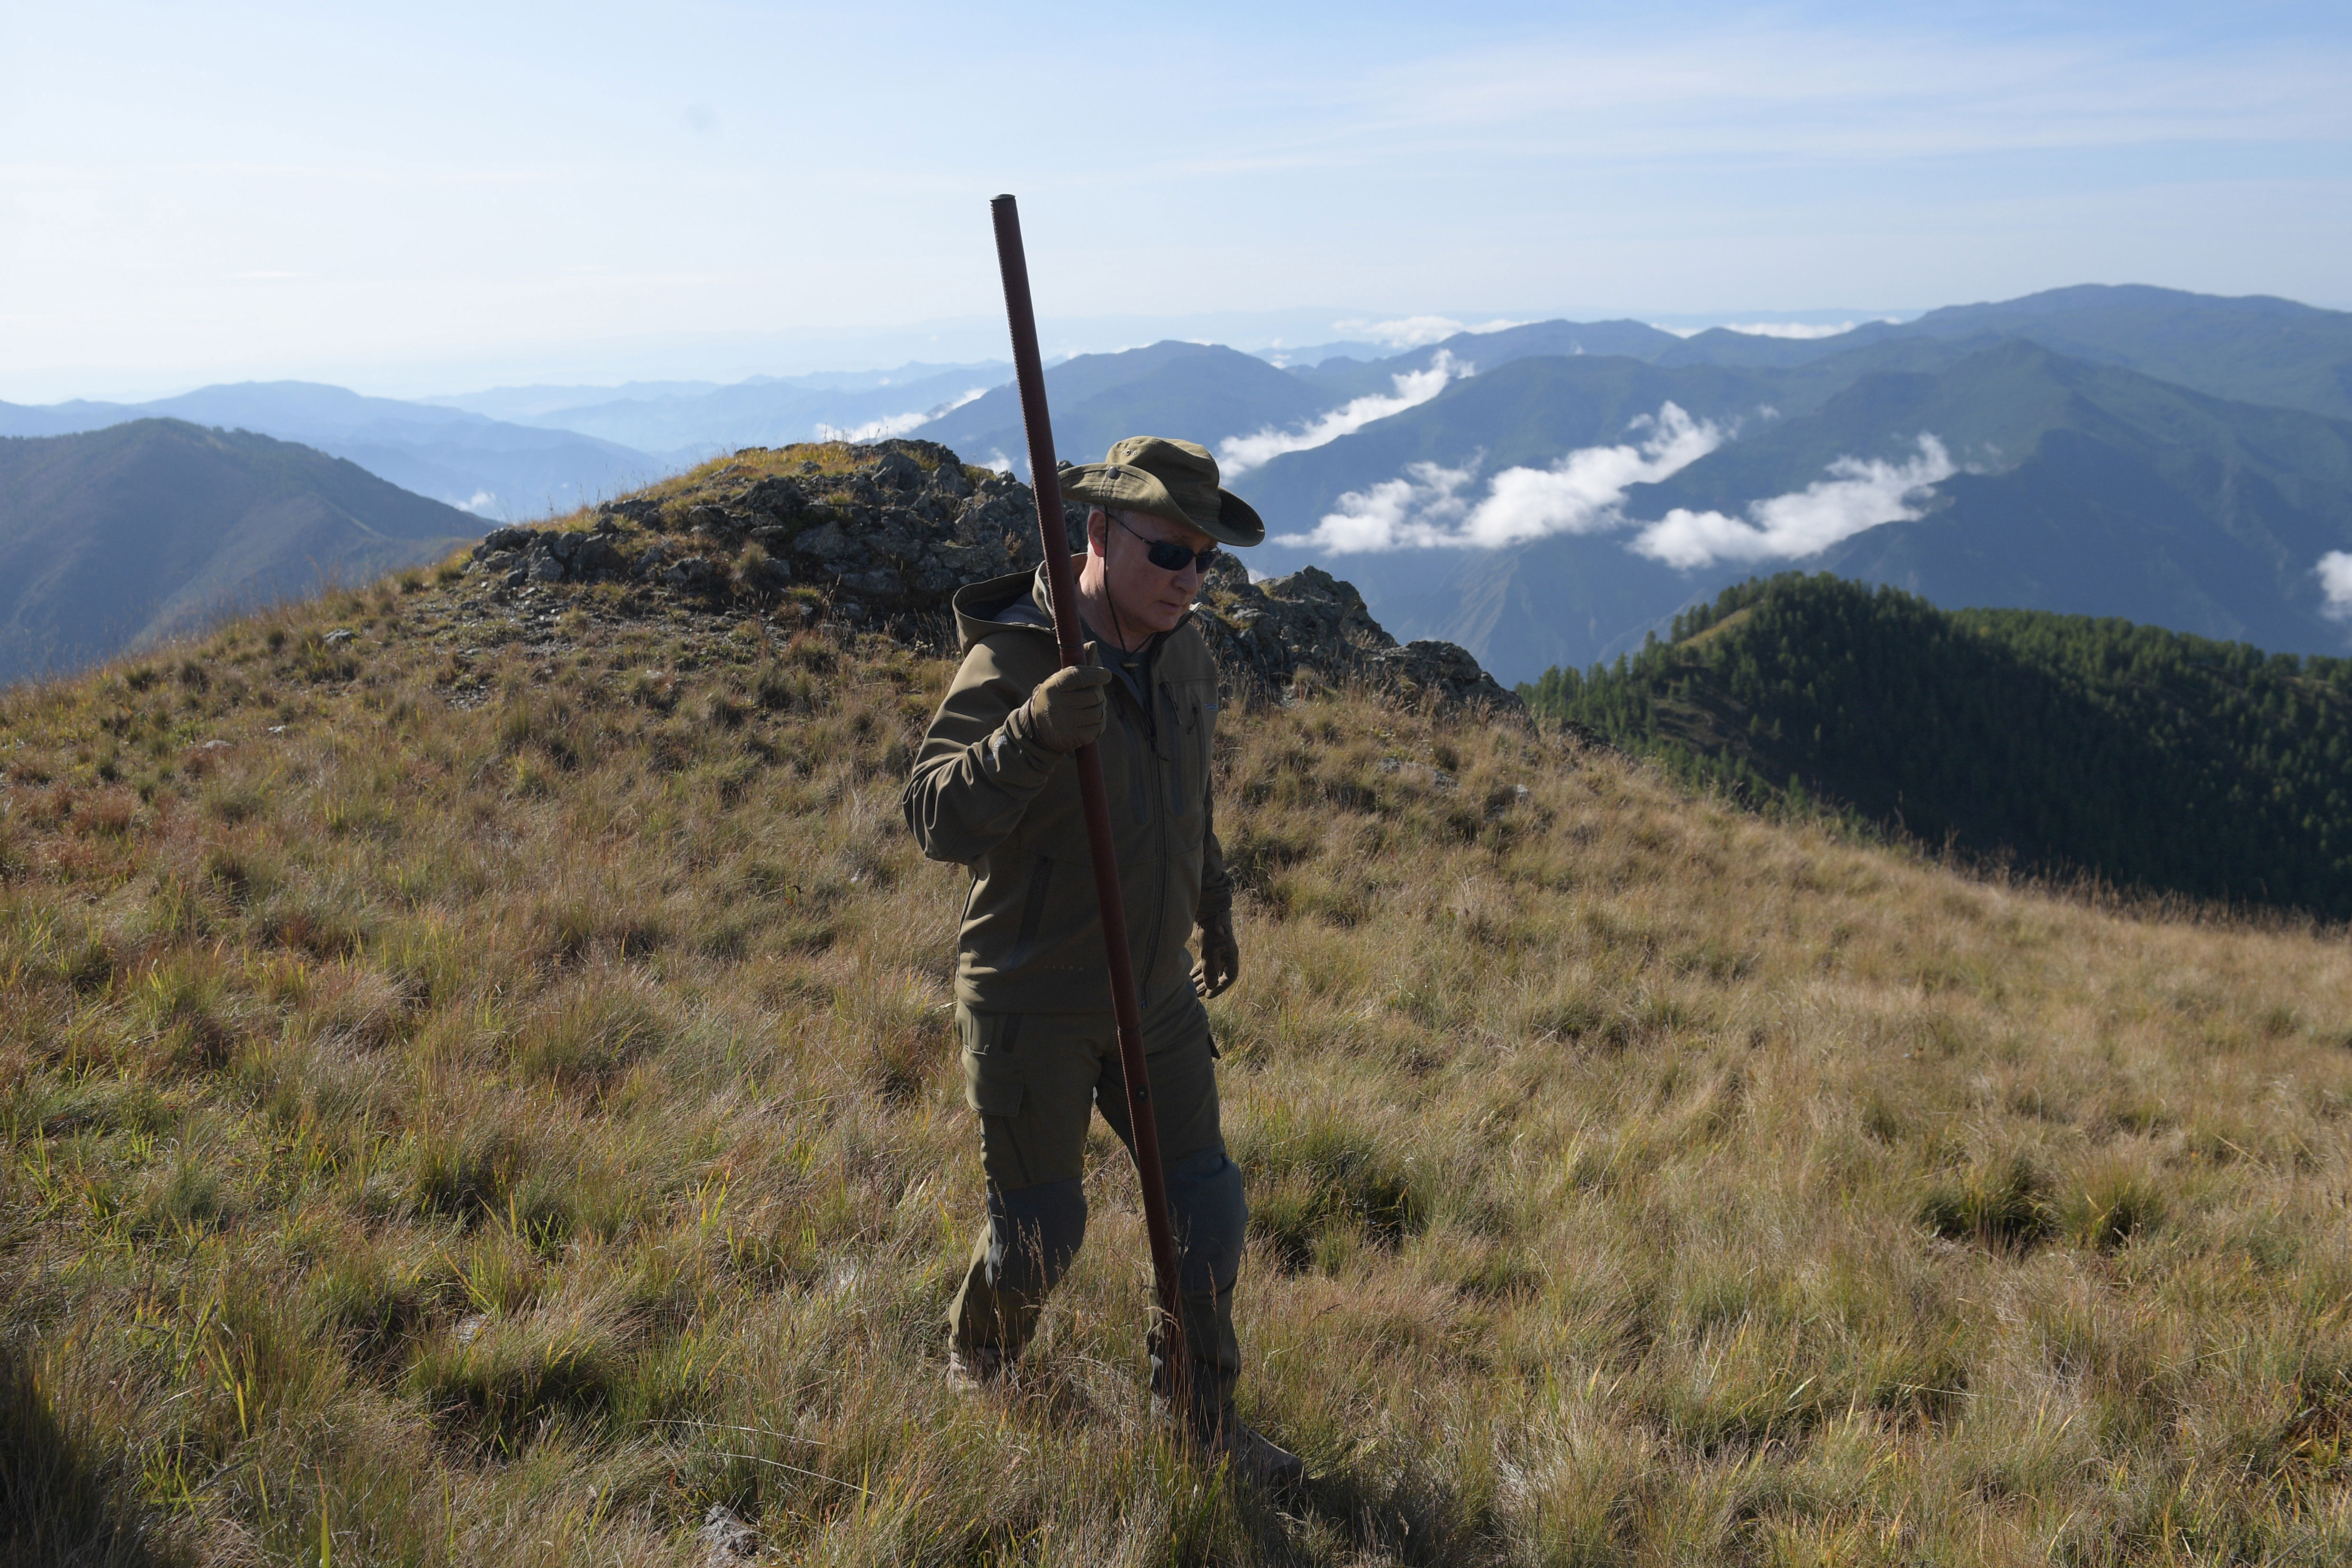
893	424
1428	508
1416	331
1801	330
1431	506
2335	569
1858	495
1240	454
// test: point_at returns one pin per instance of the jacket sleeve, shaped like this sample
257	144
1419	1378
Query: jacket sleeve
977	771
1217	882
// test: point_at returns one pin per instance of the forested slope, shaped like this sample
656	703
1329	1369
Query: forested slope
2149	757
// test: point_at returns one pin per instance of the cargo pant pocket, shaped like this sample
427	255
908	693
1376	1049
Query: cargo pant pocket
992	1071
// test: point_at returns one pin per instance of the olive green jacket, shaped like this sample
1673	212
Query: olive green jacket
986	796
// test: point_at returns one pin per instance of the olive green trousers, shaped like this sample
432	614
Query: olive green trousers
1036	1080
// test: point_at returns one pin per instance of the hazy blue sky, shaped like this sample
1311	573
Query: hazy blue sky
435	196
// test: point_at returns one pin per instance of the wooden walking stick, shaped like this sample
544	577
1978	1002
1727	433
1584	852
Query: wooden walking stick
1044	480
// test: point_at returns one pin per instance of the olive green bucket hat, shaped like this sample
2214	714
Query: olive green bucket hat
1173	479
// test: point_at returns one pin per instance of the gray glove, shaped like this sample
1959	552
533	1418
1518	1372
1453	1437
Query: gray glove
1065	711
1221	957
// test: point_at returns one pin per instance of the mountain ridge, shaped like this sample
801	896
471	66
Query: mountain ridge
2152	758
116	539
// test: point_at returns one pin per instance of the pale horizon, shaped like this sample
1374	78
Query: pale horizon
446	199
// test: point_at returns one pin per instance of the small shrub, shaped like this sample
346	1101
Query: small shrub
2003	1204
1310	1172
2115	1206
235	802
359	1299
589	1035
812	653
464	1171
785	687
190	1197
510	1379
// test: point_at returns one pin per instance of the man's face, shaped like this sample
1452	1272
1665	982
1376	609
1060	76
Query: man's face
1148	598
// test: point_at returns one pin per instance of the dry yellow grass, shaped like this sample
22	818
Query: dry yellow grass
512	1107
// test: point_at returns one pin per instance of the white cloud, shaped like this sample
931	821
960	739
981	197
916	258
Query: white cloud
1859	495
1240	454
1580	494
1799	329
478	503
1427	509
1418	511
1805	330
2335	570
1431	506
894	424
1415	331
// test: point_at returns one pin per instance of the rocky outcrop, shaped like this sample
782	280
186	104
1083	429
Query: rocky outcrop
884	535
1273	630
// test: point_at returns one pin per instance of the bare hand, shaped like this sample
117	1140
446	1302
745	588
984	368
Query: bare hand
1221	957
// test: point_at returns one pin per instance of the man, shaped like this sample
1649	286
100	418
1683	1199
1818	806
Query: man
994	787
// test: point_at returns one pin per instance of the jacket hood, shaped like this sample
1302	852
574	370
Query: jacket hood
978	605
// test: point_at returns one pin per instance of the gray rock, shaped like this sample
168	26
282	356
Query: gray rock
725	1538
778	496
826	543
503	539
339	636
546	568
643	510
695	575
1264	634
595	559
897	472
879	583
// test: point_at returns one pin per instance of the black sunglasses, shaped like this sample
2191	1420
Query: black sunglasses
1167	554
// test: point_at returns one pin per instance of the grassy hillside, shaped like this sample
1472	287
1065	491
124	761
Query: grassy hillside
483	1092
112	538
2151	757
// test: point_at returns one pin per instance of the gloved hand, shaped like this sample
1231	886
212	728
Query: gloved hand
1221	957
1065	711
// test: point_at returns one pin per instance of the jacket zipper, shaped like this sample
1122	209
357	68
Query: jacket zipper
1159	861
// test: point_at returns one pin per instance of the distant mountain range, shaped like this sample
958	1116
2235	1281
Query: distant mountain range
112	539
685	421
1168	389
1547	494
530	451
2060	486
482	465
1537	512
